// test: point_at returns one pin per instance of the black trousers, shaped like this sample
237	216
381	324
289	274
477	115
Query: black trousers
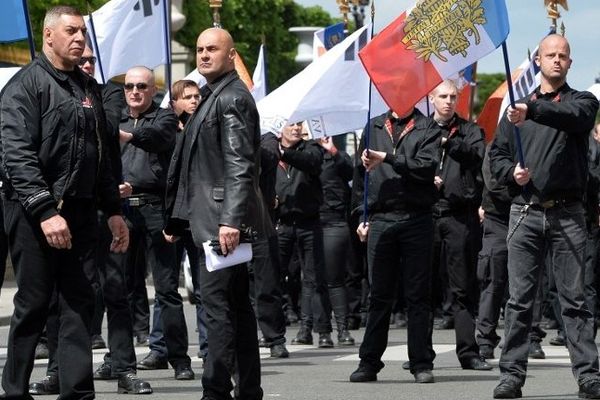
265	289
39	270
460	238
146	224
233	342
336	239
307	237
111	270
399	248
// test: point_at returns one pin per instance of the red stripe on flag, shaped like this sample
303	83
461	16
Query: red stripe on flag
401	78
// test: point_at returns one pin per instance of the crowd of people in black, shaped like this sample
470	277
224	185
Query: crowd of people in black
425	228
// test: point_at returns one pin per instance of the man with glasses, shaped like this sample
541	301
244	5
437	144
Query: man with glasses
147	135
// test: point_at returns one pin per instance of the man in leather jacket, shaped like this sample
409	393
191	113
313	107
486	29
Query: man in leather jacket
213	189
56	172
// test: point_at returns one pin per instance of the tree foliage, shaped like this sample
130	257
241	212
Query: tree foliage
486	85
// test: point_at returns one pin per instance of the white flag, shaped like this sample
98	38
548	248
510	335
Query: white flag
595	90
331	93
527	81
6	74
259	90
129	33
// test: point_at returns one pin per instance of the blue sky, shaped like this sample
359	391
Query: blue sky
528	23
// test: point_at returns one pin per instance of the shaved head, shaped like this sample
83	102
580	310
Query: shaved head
215	54
554	61
552	40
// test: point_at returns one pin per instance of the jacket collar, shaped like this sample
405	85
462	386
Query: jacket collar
45	63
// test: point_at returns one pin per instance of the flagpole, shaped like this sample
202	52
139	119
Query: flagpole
95	45
167	26
29	30
473	84
511	96
264	48
367	132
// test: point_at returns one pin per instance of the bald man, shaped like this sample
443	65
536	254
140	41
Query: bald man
547	215
213	191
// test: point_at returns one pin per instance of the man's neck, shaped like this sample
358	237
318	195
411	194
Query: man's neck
547	86
442	120
135	113
57	62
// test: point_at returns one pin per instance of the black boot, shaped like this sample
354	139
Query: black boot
339	305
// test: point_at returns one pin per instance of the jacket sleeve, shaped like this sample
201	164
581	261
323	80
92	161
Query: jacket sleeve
20	120
574	115
238	124
269	152
502	162
358	181
307	158
159	136
421	165
469	149
343	165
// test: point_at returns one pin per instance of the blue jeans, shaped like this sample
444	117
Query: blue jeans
561	231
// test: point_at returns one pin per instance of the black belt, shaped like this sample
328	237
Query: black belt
554	203
142	201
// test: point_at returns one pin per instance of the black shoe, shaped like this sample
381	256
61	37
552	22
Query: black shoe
406	365
184	373
141	339
130	383
279	351
98	342
589	390
558	341
477	364
535	351
303	337
424	376
325	341
262	342
507	390
344	338
363	374
48	385
153	361
104	372
486	352
401	320
444	324
41	351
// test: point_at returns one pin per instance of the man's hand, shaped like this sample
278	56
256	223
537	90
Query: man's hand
363	231
327	144
371	159
170	238
438	182
521	175
229	239
57	232
518	114
125	189
120	234
481	212
125	137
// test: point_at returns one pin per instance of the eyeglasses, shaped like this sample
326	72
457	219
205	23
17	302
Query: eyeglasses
139	86
191	96
83	60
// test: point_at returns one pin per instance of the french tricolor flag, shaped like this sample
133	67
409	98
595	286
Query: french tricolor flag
429	43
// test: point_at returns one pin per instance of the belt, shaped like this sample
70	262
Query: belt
142	201
555	203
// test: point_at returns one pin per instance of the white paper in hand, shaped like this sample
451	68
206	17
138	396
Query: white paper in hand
241	254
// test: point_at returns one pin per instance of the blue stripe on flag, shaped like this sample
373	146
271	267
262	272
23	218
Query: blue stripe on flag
13	25
497	25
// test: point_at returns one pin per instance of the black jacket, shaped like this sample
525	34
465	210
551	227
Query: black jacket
555	146
113	100
495	200
298	186
460	166
269	159
42	148
146	157
219	183
337	171
404	181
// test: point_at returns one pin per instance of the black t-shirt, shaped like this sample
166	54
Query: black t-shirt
85	185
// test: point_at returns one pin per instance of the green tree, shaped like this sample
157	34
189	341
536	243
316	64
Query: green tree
486	85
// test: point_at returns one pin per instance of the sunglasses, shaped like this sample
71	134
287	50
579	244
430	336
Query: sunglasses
83	60
139	86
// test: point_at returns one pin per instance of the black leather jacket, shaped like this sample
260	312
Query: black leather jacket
42	152
218	185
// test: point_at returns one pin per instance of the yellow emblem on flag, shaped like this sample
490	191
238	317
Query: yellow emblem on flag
434	26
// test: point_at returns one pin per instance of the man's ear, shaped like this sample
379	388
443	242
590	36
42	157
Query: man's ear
232	54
